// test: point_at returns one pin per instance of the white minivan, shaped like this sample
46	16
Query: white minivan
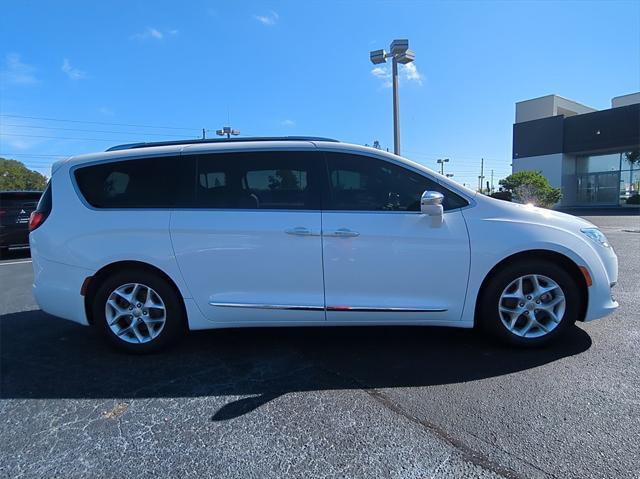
147	240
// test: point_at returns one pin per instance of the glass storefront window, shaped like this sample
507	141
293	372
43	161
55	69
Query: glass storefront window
631	160
606	179
629	176
597	164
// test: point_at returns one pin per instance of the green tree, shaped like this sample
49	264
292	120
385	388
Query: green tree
14	175
632	158
531	187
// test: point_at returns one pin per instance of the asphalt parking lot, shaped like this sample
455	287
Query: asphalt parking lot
333	402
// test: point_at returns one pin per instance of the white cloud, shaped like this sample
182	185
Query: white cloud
411	73
151	33
408	72
17	72
384	74
288	123
270	19
71	72
106	111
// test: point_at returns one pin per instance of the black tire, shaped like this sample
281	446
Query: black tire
175	321
489	316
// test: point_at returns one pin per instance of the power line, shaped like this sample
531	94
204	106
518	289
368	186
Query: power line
96	122
63	137
34	154
91	131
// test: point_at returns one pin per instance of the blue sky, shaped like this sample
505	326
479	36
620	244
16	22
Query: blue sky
302	68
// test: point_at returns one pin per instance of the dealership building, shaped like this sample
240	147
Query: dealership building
592	155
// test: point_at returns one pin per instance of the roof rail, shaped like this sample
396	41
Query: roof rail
128	146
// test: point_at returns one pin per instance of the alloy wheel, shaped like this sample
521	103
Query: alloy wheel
135	313
532	306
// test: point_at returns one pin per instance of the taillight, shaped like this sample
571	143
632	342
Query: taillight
36	219
42	210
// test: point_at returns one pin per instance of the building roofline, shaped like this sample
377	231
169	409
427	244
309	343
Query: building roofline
557	96
626	94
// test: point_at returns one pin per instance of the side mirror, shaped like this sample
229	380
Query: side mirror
431	203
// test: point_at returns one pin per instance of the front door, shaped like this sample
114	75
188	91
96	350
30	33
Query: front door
383	259
249	247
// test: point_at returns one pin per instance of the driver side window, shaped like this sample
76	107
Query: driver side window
363	183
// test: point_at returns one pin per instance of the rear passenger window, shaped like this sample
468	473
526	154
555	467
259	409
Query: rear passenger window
138	183
259	180
213	179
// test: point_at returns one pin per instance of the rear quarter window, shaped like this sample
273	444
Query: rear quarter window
135	183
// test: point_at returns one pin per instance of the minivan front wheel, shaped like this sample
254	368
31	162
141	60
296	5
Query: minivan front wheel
138	311
529	303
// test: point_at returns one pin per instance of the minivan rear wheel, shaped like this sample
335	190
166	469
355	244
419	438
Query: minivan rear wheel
138	311
530	303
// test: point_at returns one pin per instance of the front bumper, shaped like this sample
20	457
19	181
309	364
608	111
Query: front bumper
605	277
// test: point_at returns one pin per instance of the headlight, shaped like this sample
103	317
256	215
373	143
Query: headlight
596	235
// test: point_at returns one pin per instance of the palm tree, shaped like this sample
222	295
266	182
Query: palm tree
632	158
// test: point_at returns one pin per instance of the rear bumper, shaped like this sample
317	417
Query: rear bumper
56	288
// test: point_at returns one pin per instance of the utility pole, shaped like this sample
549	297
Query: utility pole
481	177
441	162
204	136
491	181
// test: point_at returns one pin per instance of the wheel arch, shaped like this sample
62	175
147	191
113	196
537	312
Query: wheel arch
540	254
112	268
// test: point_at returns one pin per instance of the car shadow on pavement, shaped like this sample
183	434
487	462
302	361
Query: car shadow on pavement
45	357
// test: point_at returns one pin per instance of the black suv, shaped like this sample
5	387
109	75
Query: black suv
15	209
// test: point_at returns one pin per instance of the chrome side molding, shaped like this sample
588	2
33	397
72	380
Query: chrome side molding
288	307
361	309
368	309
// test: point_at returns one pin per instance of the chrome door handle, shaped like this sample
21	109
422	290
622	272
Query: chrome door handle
344	233
299	231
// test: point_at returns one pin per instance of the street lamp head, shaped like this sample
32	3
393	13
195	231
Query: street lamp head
406	57
227	131
378	56
398	47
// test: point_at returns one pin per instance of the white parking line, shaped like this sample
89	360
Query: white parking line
16	262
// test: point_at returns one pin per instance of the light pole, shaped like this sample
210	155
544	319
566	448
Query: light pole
441	162
400	53
227	131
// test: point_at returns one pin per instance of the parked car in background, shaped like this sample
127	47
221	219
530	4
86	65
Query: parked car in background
502	195
15	209
146	240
